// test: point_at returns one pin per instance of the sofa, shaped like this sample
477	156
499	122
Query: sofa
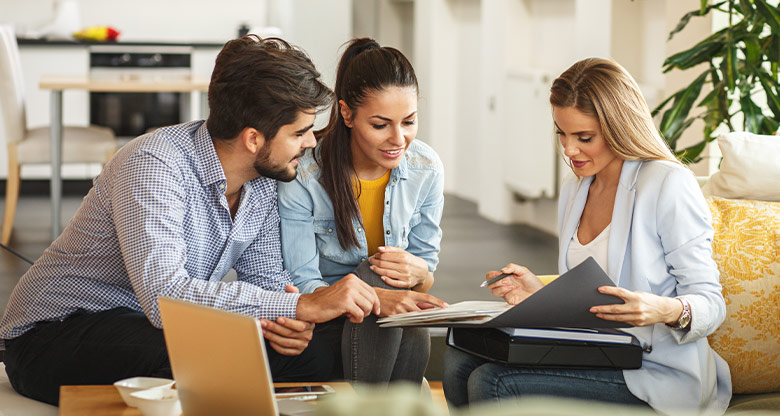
744	199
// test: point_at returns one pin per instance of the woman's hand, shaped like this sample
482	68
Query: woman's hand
398	268
515	288
393	302
640	309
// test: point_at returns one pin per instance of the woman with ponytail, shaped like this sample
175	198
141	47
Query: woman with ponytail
368	200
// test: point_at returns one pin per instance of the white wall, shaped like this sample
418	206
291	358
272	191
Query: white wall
320	28
527	35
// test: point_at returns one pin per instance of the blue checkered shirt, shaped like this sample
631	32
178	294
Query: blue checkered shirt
157	223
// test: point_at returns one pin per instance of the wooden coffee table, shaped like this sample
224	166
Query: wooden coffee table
105	400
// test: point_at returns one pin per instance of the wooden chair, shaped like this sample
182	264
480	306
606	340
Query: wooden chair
80	144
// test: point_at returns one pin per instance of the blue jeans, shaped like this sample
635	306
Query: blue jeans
470	379
371	354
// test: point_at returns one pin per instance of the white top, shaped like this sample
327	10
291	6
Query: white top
597	249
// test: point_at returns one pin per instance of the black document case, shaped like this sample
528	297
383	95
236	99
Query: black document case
497	346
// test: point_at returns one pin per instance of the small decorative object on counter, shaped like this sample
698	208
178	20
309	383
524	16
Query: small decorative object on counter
97	34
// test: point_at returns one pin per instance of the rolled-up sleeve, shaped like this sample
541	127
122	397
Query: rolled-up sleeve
685	228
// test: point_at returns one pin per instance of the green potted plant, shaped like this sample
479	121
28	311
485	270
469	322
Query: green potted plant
742	73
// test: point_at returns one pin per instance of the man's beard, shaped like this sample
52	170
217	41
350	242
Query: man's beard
265	168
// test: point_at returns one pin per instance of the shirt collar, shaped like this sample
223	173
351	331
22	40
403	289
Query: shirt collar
209	169
402	171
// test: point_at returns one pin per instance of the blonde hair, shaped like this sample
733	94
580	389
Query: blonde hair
603	89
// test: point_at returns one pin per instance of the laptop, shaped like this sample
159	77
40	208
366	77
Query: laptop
219	362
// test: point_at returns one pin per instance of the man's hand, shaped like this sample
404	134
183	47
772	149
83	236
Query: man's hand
349	296
400	301
287	336
515	288
399	268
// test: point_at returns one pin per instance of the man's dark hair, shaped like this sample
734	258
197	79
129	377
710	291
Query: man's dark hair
263	84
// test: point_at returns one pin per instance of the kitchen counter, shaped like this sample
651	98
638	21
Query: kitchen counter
64	42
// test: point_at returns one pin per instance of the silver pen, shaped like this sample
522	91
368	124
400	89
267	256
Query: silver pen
494	280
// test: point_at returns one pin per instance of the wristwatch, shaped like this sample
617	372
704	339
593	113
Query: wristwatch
685	319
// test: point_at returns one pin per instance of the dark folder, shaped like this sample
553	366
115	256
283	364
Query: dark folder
500	347
564	302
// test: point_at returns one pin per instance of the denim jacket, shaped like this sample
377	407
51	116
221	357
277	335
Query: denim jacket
414	201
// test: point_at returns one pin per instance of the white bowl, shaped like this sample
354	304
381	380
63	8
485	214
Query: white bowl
133	384
158	402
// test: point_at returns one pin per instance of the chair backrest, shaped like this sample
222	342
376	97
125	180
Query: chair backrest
11	86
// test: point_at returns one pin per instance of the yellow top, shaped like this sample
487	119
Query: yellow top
372	208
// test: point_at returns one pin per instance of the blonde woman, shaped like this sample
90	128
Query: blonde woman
640	214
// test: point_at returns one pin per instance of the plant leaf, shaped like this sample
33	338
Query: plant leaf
687	16
664	102
712	97
770	126
729	66
691	154
673	120
770	86
675	136
752	113
745	8
770	13
702	52
752	50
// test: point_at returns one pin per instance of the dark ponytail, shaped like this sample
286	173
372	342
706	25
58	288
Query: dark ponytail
365	67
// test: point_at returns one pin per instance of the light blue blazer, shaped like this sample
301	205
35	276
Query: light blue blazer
660	241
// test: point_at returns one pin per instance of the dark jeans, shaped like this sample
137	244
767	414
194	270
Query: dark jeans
469	379
103	347
371	354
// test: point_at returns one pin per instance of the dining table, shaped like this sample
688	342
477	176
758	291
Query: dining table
57	83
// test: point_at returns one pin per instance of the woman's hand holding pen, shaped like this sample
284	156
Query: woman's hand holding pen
518	285
401	269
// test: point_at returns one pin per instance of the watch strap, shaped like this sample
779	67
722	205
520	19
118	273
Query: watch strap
685	317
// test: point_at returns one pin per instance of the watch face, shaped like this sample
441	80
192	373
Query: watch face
685	319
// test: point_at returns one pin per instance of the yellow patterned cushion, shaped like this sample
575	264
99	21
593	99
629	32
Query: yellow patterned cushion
746	248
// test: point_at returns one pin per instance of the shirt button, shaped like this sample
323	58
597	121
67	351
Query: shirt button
388	232
330	230
222	186
360	230
363	259
387	202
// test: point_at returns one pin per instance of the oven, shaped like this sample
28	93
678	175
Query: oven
131	114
